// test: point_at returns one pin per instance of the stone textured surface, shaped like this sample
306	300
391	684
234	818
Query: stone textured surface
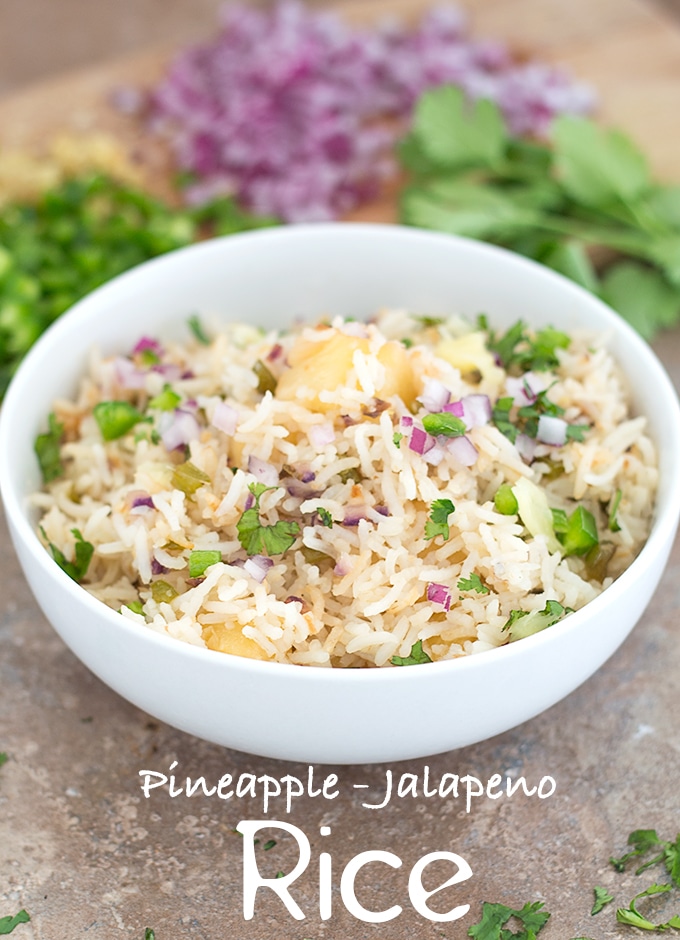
88	856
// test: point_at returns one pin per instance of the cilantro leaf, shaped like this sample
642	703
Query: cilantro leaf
196	327
523	623
452	132
576	432
269	844
83	552
496	916
642	296
397	438
48	449
149	934
3	758
613	521
597	166
325	517
500	416
473	583
415	657
438	523
602	898
257	538
630	915
7	924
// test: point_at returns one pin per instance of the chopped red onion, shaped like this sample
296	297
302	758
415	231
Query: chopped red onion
286	107
435	395
250	502
142	501
321	434
275	352
552	430
308	476
455	408
343	565
476	410
434	455
128	375
169	370
157	567
463	451
524	390
354	515
407	421
147	344
421	441
262	471
383	510
526	447
178	428
439	594
225	418
257	567
300	489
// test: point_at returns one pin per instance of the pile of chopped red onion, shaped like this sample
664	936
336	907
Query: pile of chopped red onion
286	108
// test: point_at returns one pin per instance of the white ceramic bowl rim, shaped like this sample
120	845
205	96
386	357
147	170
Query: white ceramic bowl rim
666	513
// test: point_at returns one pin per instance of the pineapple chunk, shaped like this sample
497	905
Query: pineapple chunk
468	354
326	364
230	640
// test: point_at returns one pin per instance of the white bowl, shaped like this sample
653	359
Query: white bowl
296	712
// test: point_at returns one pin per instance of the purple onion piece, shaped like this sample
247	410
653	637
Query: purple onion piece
476	410
308	476
463	451
157	567
354	515
407	421
418	440
552	430
526	447
147	344
435	395
257	567
439	594
250	502
321	434
262	471
178	428
225	418
142	501
455	408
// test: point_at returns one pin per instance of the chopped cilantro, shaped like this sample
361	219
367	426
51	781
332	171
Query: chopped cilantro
438	523
415	657
523	623
258	539
444	423
7	924
3	758
427	322
269	845
199	561
148	357
397	438
76	569
168	400
48	449
116	418
602	898
529	414
500	416
645	840
613	520
162	592
473	583
325	517
496	916
188	478
149	934
197	329
630	915
407	342
576	432
279	874
136	607
265	380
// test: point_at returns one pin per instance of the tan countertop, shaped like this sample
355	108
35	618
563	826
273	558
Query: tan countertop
88	856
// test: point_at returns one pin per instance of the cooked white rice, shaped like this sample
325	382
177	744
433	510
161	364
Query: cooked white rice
371	586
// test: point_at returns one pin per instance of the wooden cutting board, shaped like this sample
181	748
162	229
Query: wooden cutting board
629	50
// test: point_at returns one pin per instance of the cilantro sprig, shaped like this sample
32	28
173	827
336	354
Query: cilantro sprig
48	449
259	539
601	898
560	204
473	583
7	924
531	919
438	523
416	657
83	552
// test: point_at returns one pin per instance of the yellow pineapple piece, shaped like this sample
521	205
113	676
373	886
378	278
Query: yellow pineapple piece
230	639
318	366
469	354
399	378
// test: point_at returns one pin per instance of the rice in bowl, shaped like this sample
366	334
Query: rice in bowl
349	494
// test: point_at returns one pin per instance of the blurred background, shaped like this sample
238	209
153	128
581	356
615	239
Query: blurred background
39	38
